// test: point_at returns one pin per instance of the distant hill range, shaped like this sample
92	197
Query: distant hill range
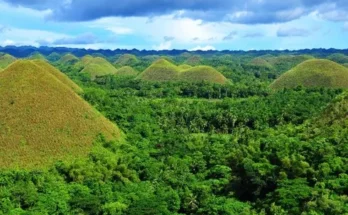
26	51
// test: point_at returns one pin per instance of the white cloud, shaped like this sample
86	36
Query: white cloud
203	48
20	36
163	46
120	30
8	43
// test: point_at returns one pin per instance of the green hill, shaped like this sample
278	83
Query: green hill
260	63
97	67
68	59
127	60
5	60
338	58
86	59
43	120
160	70
126	71
314	73
183	67
284	63
203	73
36	56
194	60
53	57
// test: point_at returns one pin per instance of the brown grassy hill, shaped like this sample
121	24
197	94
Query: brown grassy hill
314	73
58	74
43	120
203	73
161	70
97	66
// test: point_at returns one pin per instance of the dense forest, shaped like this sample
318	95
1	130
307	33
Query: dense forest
199	147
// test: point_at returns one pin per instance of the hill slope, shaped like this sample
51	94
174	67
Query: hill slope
126	60
59	75
97	67
68	59
314	73
5	60
161	70
126	71
44	120
203	73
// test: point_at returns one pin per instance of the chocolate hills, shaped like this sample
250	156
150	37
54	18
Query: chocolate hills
260	63
160	70
126	60
97	66
338	58
5	60
126	71
163	70
314	73
203	73
68	59
42	118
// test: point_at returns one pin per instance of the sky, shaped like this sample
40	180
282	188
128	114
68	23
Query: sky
175	24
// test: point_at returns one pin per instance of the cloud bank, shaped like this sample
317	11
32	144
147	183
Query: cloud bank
235	11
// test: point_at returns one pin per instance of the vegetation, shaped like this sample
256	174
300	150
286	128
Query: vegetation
183	67
126	71
37	106
36	56
187	147
5	60
68	59
161	70
202	73
53	57
338	58
97	67
126	60
260	62
194	60
314	73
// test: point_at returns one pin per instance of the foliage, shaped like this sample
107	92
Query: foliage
36	107
314	73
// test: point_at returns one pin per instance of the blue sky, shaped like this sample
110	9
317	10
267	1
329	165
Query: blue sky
176	24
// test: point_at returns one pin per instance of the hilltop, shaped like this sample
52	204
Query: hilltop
260	62
338	58
163	70
126	60
193	60
126	71
36	56
68	59
43	119
5	60
97	66
58	74
183	67
160	70
203	73
314	73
